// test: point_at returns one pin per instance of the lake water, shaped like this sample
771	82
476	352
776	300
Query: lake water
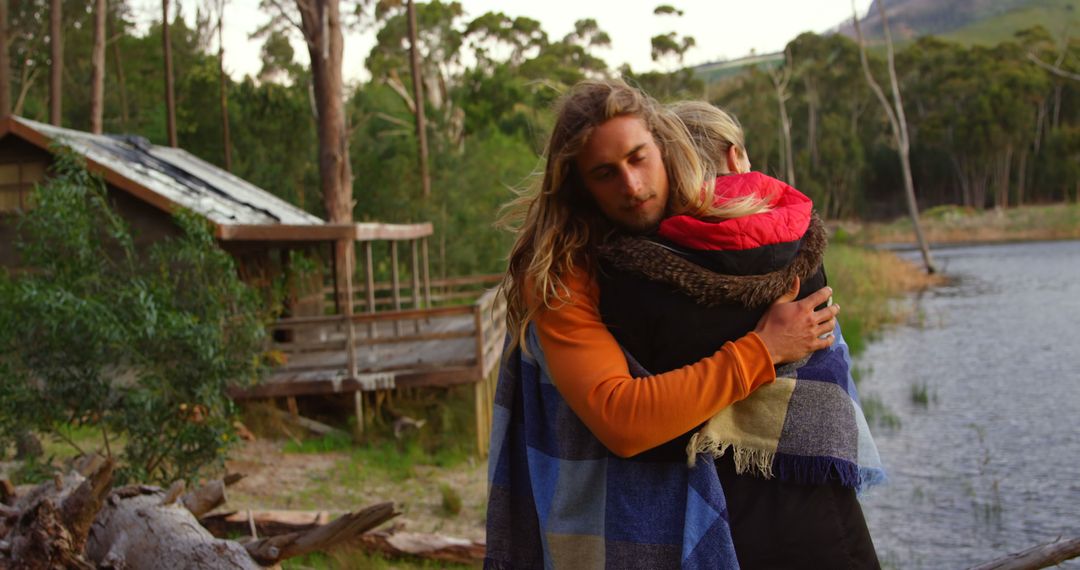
981	428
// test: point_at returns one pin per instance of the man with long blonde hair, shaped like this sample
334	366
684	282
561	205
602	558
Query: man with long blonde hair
571	470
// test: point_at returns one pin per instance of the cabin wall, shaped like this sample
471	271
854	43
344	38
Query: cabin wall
262	265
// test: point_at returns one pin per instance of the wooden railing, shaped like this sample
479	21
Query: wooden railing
322	343
462	344
443	291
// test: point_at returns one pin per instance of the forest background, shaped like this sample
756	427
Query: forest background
989	127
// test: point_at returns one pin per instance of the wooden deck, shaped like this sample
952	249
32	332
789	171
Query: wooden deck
442	346
435	347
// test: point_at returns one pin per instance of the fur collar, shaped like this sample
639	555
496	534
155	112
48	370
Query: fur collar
644	257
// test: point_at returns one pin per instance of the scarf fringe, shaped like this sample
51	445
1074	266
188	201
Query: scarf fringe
803	469
748	460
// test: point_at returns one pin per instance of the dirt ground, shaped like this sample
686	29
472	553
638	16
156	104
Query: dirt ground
340	481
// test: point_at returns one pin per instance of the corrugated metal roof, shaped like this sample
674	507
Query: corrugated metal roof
181	178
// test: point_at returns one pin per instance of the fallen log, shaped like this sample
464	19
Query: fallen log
429	546
267	523
1041	556
135	530
76	522
317	428
393	542
52	528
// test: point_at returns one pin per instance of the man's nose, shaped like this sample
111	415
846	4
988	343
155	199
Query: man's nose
631	182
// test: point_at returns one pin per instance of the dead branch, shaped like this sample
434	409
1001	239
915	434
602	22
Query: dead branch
1056	70
317	428
82	505
174	492
273	549
206	498
7	492
395	83
1041	556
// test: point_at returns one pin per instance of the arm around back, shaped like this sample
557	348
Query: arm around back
631	415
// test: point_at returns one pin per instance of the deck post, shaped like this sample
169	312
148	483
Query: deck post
483	422
427	275
370	283
416	282
334	276
395	280
346	270
358	400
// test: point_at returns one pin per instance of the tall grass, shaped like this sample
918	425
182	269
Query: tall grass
959	224
867	285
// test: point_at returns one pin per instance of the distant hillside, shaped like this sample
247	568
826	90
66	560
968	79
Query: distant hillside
719	70
984	22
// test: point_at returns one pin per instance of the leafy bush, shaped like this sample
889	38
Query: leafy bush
138	344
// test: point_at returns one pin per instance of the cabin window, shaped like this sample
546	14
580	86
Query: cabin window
17	180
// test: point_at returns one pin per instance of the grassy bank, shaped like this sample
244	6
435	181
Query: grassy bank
955	224
869	285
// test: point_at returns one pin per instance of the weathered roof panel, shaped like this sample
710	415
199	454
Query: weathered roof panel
181	178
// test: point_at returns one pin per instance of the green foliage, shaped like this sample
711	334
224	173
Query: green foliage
865	284
988	127
451	500
324	444
139	344
878	414
922	395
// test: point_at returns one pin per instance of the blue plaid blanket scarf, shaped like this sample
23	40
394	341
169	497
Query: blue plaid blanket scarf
559	499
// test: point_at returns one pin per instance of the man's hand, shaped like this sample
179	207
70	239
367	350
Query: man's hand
792	329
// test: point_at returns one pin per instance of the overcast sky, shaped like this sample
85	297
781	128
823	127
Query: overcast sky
723	29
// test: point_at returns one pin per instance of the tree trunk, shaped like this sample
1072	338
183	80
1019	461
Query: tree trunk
1058	87
1021	178
226	140
1004	176
122	85
5	62
898	122
97	69
27	81
321	26
56	68
812	120
170	99
790	162
780	82
322	29
418	96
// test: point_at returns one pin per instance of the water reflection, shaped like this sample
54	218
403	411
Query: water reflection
984	387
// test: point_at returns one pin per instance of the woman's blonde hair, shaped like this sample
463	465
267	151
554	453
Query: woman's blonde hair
713	132
557	222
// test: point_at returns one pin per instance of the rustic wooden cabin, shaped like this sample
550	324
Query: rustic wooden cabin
334	338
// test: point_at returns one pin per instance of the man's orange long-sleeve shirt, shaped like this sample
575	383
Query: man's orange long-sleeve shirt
631	415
